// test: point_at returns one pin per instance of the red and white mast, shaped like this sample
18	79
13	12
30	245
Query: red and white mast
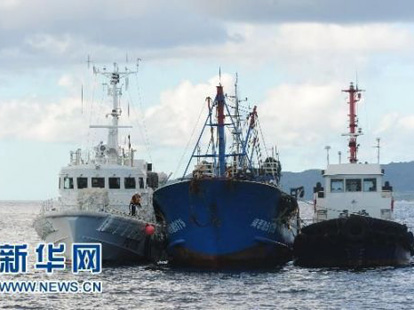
354	132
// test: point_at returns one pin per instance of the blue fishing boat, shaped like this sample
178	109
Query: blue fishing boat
230	211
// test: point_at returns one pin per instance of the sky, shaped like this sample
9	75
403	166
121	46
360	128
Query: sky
292	58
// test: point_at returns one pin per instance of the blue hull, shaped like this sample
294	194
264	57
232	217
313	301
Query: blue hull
224	223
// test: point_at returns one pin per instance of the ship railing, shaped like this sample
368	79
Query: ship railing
56	205
321	215
122	160
59	205
116	211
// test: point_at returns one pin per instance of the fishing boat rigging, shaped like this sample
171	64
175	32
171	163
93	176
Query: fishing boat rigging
229	212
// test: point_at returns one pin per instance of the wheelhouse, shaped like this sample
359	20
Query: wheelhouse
353	188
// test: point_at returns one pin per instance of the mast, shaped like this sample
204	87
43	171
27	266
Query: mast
378	147
237	131
116	111
354	97
220	130
237	116
327	148
223	118
114	91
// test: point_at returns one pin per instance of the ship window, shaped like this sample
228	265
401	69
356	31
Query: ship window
114	183
129	183
370	185
141	182
82	182
337	185
67	183
60	183
353	185
98	182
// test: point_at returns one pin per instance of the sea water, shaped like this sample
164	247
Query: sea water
160	287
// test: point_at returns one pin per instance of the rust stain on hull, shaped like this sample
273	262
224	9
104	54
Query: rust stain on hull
257	257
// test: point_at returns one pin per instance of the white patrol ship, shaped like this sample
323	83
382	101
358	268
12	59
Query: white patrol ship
95	194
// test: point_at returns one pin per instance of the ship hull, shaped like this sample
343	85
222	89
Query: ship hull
216	223
355	241
123	239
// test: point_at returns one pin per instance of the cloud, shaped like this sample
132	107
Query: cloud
302	113
125	24
169	123
50	44
302	42
406	123
321	11
30	119
164	30
300	119
311	37
173	120
387	123
396	131
302	51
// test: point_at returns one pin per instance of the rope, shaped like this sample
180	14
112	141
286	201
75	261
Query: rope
92	133
142	128
189	140
261	134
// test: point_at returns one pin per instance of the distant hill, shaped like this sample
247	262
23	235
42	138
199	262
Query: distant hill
400	176
307	179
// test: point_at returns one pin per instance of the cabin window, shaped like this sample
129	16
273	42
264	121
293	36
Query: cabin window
129	183
114	183
60	183
67	183
98	182
141	182
353	185
82	182
370	185
337	185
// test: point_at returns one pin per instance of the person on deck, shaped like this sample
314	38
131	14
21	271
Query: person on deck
134	204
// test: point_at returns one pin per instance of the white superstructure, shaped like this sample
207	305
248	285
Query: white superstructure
353	189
